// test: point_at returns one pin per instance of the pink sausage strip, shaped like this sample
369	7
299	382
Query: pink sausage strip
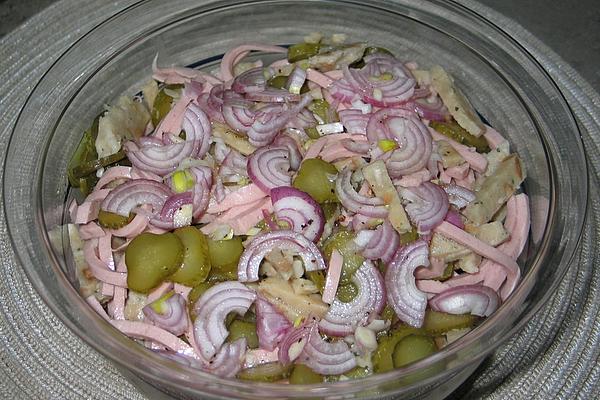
179	75
315	149
87	212
232	56
333	276
182	289
476	160
134	228
90	231
141	330
256	357
493	137
476	245
160	291
109	175
174	119
242	196
116	307
99	268
458	172
319	78
414	179
435	269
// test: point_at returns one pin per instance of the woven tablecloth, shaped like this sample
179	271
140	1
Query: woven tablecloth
554	356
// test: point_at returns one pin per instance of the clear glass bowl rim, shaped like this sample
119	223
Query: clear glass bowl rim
176	371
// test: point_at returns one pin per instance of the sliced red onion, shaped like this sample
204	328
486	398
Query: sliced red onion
211	310
292	146
356	146
160	159
454	218
166	218
354	120
197	128
342	91
478	300
433	111
285	240
292	344
214	114
250	81
295	207
269	167
459	196
326	358
202	187
136	192
296	80
349	197
268	124
428	205
271	325
408	302
237	111
172	315
342	318
273	95
383	244
229	360
383	81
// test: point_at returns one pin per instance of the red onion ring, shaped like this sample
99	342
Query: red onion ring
303	214
268	124
381	92
326	358
459	196
343	318
229	360
237	111
292	146
433	111
354	120
408	302
252	80
383	244
295	80
428	207
273	95
131	194
478	300
294	337
202	187
349	197
271	325
414	145
212	309
165	219
342	91
174	319
160	159
285	240
269	167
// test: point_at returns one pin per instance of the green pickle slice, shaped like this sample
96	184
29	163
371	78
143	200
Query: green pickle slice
225	252
454	131
382	357
343	241
412	348
110	220
198	291
269	372
317	178
151	259
196	262
437	322
302	51
303	375
243	329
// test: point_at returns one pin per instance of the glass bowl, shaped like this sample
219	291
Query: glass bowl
506	85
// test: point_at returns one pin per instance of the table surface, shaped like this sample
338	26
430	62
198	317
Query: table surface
570	28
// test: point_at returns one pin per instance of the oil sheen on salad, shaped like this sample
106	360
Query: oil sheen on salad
312	213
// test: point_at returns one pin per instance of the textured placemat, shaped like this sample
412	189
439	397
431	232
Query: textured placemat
554	356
